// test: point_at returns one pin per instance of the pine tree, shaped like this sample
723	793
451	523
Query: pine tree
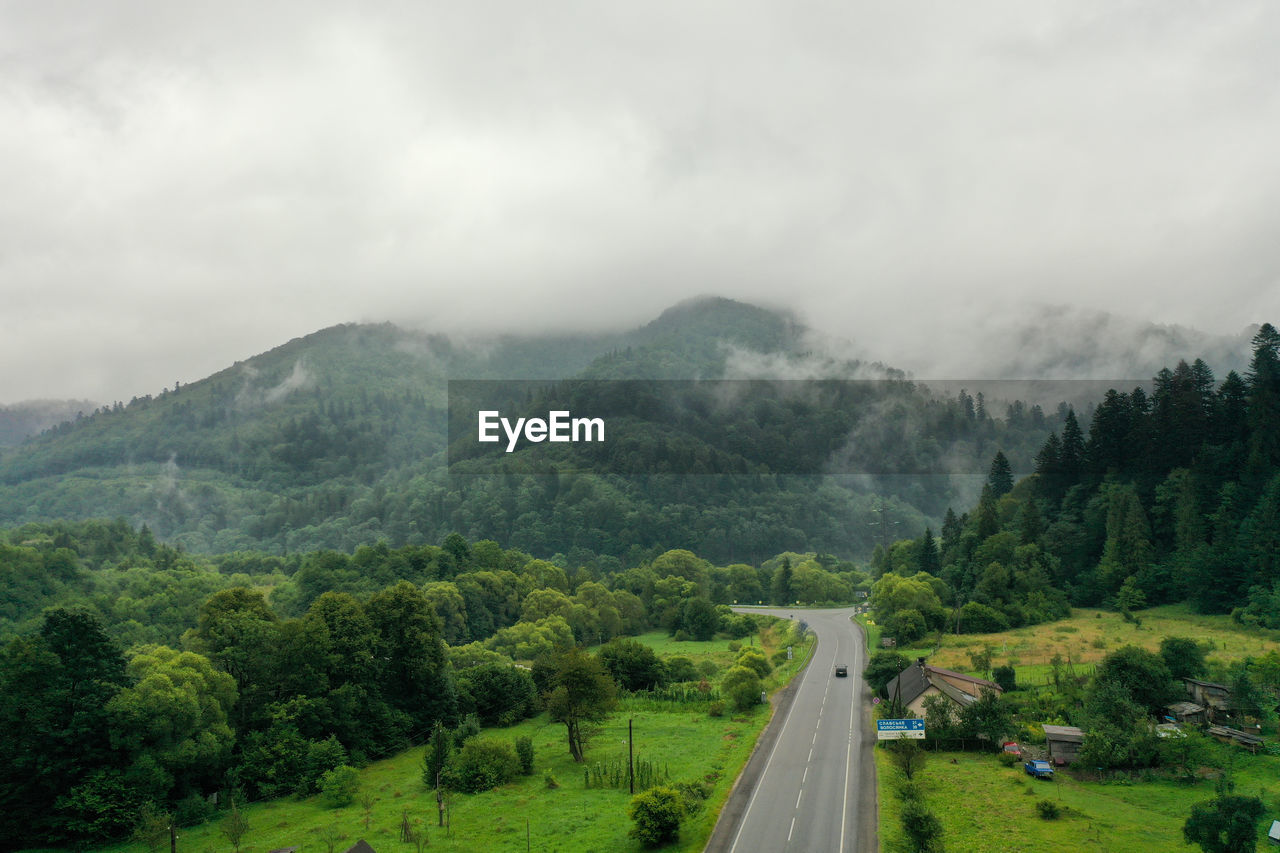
988	518
1000	477
1264	404
928	557
1071	453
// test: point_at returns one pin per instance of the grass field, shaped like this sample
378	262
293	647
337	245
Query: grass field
1090	635
987	808
684	745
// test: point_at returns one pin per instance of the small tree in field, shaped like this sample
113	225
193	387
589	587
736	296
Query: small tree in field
906	755
234	827
581	693
656	813
152	828
1226	824
742	686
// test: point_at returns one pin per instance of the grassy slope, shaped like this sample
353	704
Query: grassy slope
1112	816
1090	635
687	744
986	808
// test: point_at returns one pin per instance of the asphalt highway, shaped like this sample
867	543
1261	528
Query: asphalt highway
810	786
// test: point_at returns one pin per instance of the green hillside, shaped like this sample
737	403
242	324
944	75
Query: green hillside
338	439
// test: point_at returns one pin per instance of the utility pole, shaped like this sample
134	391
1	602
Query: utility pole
884	528
631	763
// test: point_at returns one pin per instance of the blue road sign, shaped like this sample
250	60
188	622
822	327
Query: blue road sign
894	729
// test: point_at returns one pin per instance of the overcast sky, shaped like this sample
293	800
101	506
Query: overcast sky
186	184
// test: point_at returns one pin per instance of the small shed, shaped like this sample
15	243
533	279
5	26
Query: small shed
1247	740
360	846
1063	742
1274	835
1214	698
1185	712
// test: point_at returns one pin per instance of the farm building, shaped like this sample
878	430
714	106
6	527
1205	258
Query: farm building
1063	742
1249	740
1214	698
919	681
1185	712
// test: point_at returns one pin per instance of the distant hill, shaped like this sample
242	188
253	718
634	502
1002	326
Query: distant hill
23	420
338	439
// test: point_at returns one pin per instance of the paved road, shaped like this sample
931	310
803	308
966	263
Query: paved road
811	784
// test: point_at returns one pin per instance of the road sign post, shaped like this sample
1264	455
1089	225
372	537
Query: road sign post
896	729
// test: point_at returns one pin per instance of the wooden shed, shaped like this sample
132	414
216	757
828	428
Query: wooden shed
1063	742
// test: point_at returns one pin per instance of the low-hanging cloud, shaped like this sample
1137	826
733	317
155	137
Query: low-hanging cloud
189	186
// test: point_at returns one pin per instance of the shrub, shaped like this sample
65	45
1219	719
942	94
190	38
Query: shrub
716	709
524	752
482	764
339	786
681	668
1006	677
708	668
742	686
754	659
192	810
921	826
735	646
1048	810
693	795
656	813
1007	759
549	780
979	618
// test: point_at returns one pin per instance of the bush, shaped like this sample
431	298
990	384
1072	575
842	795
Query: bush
657	813
742	686
524	752
979	618
1048	810
482	764
754	659
1005	677
716	709
322	756
693	794
1007	759
681	668
339	786
549	780
921	826
192	810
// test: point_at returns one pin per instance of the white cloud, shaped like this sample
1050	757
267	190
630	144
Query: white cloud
187	185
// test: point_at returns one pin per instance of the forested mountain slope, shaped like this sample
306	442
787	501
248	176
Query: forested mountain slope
338	439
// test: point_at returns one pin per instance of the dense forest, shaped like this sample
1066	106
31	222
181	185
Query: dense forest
339	439
1171	495
135	675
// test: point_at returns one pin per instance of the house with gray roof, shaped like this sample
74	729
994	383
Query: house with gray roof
920	681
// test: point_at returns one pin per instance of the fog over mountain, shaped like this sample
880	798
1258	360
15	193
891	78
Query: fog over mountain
191	184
